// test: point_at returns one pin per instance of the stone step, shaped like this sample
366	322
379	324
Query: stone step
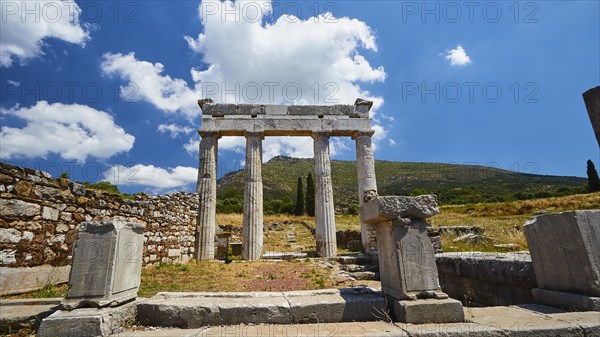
355	259
194	310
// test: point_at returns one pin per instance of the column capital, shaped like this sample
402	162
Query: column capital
254	134
317	134
358	134
205	134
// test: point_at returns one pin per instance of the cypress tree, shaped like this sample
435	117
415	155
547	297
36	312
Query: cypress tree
593	179
300	198
310	195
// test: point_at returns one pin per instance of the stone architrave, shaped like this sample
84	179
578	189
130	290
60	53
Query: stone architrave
107	264
565	251
592	104
252	231
407	266
324	207
207	193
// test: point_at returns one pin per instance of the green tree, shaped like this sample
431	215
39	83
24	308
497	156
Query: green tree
593	179
64	175
310	195
299	198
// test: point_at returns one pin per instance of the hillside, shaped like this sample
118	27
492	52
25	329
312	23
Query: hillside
454	184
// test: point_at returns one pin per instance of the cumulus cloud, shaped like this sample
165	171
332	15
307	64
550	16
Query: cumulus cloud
27	24
174	130
458	56
147	82
72	131
288	61
156	178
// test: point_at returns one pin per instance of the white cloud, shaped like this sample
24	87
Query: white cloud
174	129
14	83
458	56
180	177
146	82
261	63
27	24
72	131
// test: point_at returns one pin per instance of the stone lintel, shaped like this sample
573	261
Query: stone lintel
360	109
285	126
387	208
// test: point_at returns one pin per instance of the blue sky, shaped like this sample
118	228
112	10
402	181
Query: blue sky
108	90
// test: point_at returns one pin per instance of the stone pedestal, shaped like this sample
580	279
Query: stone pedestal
222	246
107	264
565	251
324	207
367	184
252	231
207	193
407	266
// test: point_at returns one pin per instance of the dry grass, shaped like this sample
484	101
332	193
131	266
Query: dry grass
237	276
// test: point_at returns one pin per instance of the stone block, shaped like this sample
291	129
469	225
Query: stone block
428	311
26	279
406	260
385	208
107	263
566	300
9	235
18	208
49	213
88	322
565	250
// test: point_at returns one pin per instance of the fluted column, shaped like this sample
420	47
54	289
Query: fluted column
324	208
367	184
207	193
252	232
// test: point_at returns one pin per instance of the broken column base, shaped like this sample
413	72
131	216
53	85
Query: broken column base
566	300
89	321
428	311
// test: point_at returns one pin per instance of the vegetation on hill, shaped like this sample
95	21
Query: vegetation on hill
453	184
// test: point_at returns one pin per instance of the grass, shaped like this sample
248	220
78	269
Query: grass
48	291
239	276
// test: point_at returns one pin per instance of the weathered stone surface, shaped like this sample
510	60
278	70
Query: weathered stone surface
592	104
7	256
49	213
566	300
385	208
428	311
324	206
19	280
107	263
252	242
406	260
479	279
460	230
207	190
359	110
88	322
367	184
9	235
18	208
191	310
25	313
565	249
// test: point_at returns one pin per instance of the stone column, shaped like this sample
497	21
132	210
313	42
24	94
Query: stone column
207	193
252	240
324	208
367	184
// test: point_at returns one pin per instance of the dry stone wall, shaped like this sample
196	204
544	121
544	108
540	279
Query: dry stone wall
40	216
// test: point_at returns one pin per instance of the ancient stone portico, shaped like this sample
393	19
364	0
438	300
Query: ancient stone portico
255	122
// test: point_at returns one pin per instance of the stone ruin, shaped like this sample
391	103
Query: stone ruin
255	122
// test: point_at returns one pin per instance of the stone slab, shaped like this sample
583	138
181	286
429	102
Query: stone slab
428	311
386	208
565	250
520	322
88	322
26	313
566	300
359	110
193	310
26	279
107	264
